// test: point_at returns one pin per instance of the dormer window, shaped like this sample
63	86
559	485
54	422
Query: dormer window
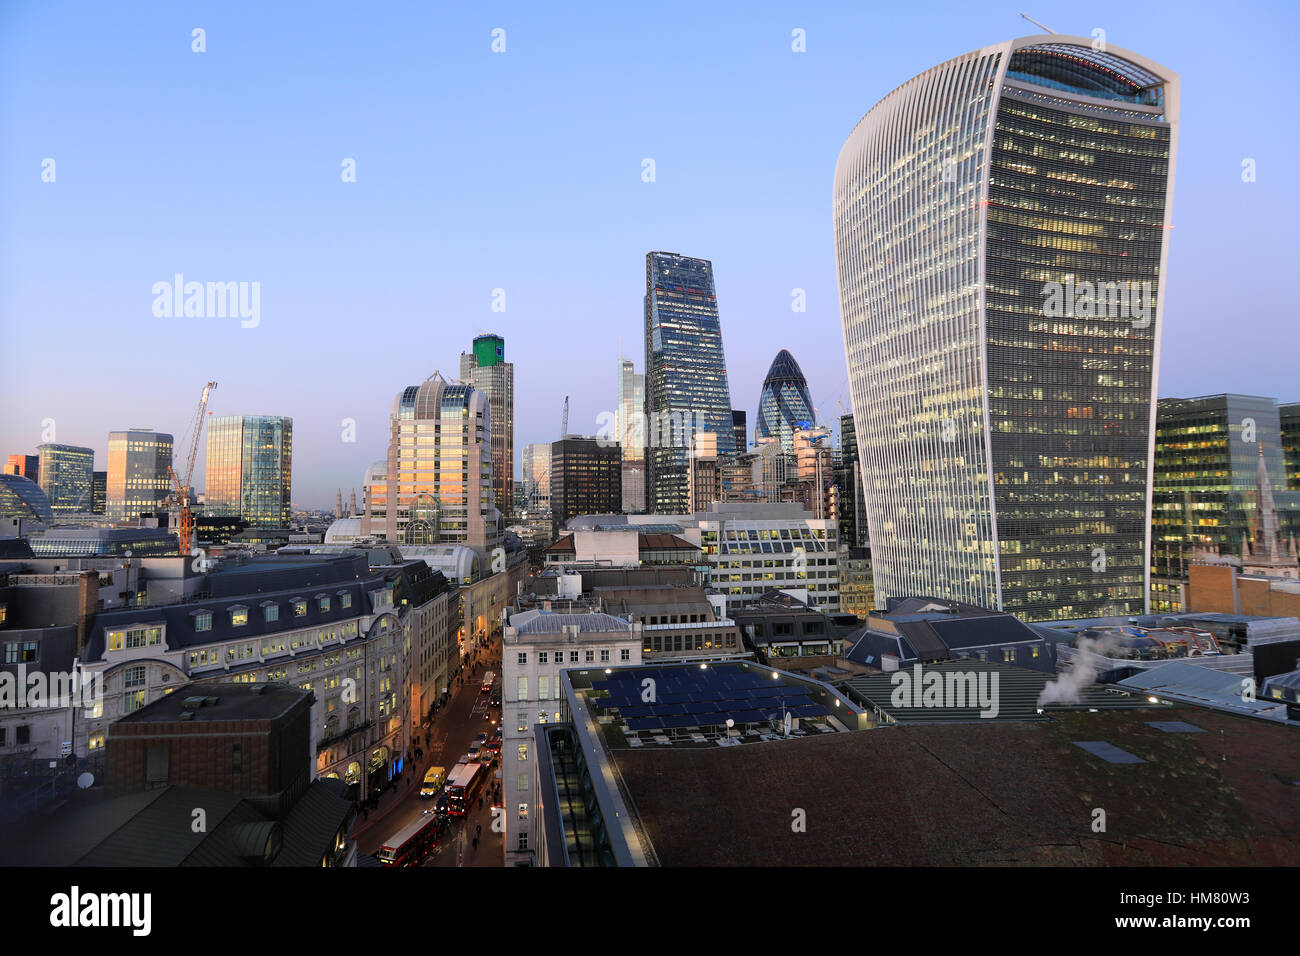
323	602
202	620
270	611
299	607
238	615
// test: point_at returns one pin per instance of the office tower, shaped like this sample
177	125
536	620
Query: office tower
813	466
848	481
738	430
486	369
436	486
1289	419
586	478
704	469
1213	454
686	374
25	466
23	498
250	469
1001	227
784	401
98	492
138	479
537	475
630	432
67	478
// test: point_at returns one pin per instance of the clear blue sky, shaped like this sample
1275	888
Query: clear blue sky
522	171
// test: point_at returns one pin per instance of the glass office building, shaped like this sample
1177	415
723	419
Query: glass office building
67	478
784	401
138	480
486	369
1206	497
250	469
1001	227
22	498
630	432
686	374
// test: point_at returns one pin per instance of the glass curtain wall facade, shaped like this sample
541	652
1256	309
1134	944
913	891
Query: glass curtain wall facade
249	469
1206	496
485	368
630	431
67	478
138	480
784	401
686	386
1001	230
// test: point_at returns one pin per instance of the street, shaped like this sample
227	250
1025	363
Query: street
454	730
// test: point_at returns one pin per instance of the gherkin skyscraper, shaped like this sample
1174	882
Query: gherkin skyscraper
1001	231
784	401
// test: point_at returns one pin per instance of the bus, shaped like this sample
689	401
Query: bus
411	844
488	680
463	787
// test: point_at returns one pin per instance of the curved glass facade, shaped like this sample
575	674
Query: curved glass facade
783	402
1000	236
22	498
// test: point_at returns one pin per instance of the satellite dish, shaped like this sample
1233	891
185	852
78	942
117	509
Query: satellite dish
787	723
85	780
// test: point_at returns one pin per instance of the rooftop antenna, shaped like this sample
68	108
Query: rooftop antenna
1037	24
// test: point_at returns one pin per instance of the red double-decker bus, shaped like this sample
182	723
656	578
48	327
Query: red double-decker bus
463	787
410	845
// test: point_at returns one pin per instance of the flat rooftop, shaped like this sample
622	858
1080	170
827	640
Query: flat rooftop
213	702
981	794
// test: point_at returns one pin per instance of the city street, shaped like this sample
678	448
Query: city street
454	729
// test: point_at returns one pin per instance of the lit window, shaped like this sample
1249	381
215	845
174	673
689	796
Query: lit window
299	608
523	751
238	616
521	690
96	741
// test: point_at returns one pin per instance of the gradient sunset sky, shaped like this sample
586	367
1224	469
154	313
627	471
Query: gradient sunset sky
522	171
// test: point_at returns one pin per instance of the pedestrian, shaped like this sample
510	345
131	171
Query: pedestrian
478	830
476	843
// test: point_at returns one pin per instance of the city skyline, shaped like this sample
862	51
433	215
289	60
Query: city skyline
763	224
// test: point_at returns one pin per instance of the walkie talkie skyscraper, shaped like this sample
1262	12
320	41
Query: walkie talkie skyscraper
1001	230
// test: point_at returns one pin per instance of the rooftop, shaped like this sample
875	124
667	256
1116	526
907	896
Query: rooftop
978	794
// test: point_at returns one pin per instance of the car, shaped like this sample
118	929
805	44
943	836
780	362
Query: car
434	780
474	753
481	740
496	700
463	760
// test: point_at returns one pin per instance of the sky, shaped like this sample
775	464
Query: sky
522	171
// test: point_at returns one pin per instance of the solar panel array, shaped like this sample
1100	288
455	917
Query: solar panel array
706	697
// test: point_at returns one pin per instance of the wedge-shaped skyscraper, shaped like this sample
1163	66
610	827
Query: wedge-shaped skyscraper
1001	228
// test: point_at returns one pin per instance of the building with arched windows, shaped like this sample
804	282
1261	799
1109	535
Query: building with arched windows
435	486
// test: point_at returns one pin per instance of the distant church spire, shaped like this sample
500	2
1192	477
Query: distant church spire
338	504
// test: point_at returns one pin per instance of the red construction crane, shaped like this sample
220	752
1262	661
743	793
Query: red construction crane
181	487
